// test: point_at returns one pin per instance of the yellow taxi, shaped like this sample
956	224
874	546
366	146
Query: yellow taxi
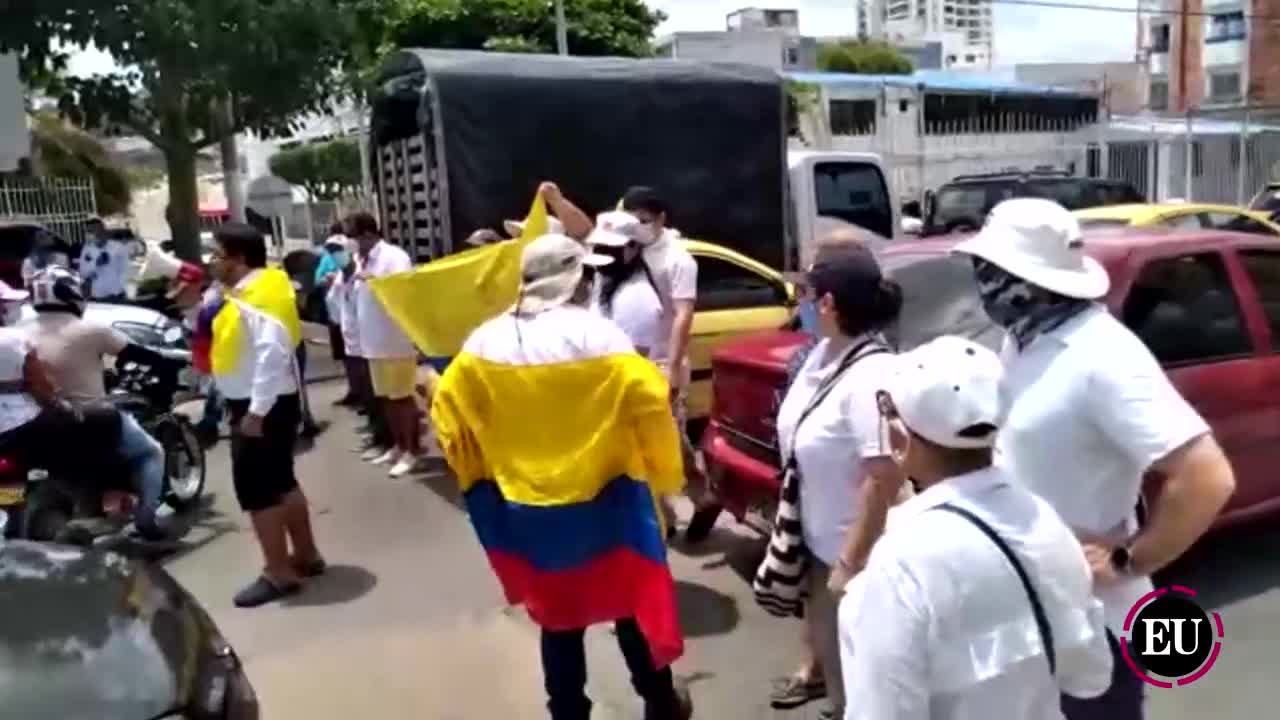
736	296
1196	216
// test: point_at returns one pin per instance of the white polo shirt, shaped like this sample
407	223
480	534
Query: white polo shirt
675	272
1089	412
833	442
939	627
380	337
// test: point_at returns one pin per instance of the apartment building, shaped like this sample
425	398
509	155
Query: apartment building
1206	53
964	27
753	36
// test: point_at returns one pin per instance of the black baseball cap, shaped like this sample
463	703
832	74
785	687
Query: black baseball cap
849	271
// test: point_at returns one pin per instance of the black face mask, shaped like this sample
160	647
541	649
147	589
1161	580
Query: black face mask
619	269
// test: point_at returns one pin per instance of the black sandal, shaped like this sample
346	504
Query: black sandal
795	690
262	591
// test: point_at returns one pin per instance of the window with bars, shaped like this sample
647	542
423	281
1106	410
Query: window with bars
1160	38
1225	27
852	117
1224	85
1158	98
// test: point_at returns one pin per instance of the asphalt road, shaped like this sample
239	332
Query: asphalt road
409	622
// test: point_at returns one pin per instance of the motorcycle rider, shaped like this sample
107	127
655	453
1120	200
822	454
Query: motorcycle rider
73	349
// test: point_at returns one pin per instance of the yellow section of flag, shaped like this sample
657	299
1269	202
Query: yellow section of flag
438	304
514	424
270	293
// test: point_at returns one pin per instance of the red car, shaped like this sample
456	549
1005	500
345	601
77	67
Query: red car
1206	303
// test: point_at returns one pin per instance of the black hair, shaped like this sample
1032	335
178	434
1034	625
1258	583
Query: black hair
363	223
643	197
864	310
337	228
244	241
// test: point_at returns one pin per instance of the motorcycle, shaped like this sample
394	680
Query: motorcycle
42	506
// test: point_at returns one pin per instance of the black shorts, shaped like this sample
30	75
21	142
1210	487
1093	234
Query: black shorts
262	467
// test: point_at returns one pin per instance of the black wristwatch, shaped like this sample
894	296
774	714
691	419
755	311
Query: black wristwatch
1122	560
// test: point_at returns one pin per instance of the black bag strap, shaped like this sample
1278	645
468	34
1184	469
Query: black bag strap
854	354
1037	608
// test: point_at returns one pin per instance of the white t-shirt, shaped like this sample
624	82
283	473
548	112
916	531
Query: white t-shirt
16	409
380	337
1089	412
637	310
939	626
833	441
675	272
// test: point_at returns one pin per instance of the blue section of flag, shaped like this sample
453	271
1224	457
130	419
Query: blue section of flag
563	537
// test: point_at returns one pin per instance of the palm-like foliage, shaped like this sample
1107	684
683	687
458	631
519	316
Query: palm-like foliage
62	150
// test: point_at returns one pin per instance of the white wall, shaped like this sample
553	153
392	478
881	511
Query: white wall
15	143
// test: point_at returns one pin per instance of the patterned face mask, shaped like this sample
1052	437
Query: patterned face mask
1023	309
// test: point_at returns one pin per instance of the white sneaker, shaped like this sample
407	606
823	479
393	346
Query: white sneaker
404	466
389	457
373	453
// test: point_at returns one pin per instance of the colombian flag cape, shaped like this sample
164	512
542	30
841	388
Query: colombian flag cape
560	465
270	293
438	304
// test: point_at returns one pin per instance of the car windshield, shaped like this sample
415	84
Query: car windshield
1103	222
1268	200
958	206
940	297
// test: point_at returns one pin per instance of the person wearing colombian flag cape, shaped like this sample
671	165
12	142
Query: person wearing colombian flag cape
562	440
256	331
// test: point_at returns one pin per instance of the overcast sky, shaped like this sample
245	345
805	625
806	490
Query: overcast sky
1023	33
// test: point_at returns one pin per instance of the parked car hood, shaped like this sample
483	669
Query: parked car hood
89	635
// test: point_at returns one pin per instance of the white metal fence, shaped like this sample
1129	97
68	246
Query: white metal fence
60	205
1219	156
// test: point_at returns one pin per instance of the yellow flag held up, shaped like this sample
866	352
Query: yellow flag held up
439	304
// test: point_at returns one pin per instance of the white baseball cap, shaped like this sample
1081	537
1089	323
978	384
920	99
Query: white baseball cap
619	229
1039	241
948	392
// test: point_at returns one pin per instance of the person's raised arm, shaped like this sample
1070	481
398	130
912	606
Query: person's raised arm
577	224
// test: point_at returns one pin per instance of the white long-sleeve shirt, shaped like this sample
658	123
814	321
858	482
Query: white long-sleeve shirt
939	627
266	368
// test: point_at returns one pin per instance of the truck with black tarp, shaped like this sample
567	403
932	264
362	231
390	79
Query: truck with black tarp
460	141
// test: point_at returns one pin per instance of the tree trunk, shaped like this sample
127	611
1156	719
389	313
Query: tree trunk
182	214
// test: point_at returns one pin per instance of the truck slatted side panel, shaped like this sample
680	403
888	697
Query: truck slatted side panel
412	215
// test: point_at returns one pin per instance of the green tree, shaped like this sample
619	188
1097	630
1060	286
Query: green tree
863	58
64	151
327	171
188	72
595	27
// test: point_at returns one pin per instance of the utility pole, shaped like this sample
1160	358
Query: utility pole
562	29
231	185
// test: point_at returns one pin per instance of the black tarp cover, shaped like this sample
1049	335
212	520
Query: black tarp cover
709	136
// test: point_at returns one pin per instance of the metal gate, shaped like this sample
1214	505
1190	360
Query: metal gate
61	206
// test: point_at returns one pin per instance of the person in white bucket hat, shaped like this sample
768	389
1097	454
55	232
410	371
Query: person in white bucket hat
977	601
1089	413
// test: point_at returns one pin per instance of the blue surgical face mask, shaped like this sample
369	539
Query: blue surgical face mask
342	257
808	313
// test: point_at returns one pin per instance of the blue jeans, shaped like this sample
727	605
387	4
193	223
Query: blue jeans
145	458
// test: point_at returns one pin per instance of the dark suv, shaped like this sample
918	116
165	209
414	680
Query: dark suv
963	203
1268	200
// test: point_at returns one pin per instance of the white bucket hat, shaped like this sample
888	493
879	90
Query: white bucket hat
1039	241
948	392
550	271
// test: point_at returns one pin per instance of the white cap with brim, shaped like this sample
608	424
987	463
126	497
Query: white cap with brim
550	271
12	295
515	228
1039	241
948	392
